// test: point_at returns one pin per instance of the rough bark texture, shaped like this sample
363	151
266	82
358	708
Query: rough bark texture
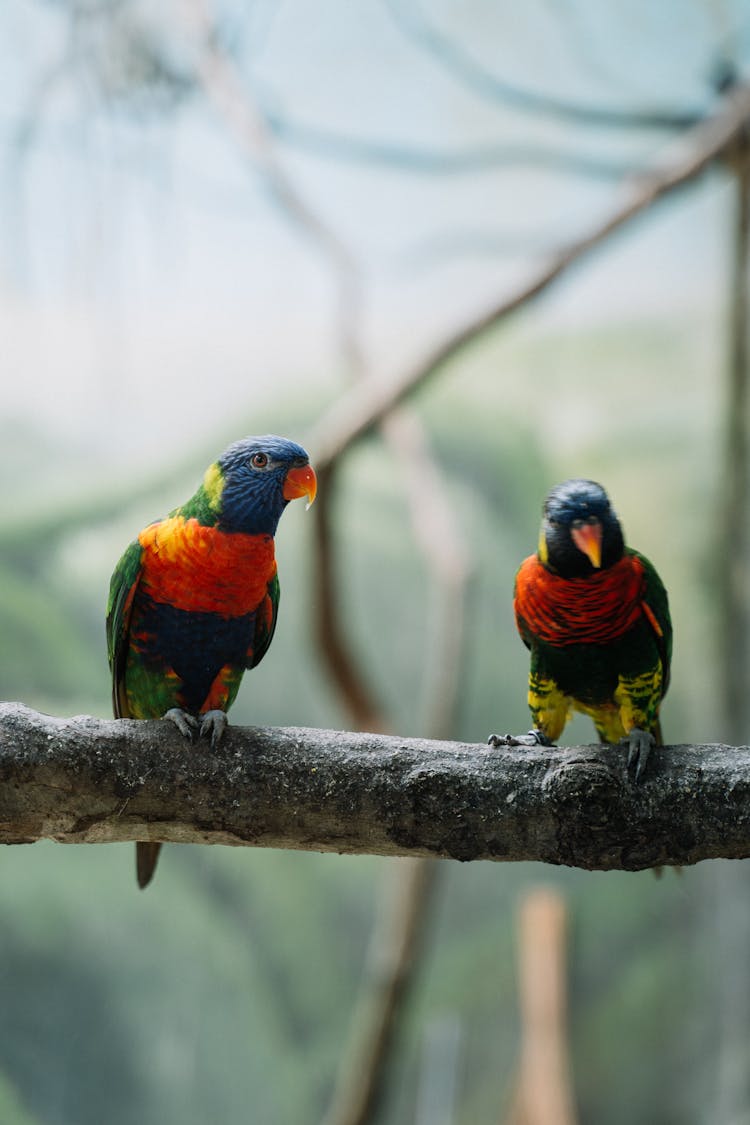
86	780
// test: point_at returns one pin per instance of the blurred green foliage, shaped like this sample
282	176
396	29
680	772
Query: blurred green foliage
225	992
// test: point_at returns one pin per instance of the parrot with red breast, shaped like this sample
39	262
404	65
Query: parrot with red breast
595	616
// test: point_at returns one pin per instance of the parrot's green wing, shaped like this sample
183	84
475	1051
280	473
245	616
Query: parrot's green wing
122	589
656	608
265	623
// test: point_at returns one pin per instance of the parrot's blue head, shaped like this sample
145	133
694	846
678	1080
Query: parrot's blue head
580	531
253	481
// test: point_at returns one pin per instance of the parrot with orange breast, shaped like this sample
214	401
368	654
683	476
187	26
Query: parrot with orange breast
193	600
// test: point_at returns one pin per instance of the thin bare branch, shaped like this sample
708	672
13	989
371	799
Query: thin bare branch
734	531
358	697
446	557
395	949
732	582
422	161
223	85
457	62
365	405
544	1092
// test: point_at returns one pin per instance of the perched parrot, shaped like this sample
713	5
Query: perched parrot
193	601
595	616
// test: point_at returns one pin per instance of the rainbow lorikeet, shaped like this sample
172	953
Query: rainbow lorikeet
193	601
595	615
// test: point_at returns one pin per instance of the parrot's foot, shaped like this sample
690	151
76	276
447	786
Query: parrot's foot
533	737
186	724
214	723
640	743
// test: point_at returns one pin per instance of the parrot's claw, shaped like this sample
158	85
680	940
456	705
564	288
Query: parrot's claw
214	723
532	738
640	743
185	723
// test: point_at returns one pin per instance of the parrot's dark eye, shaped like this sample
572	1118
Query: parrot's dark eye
259	460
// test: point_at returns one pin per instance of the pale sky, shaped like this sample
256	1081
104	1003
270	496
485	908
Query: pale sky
144	271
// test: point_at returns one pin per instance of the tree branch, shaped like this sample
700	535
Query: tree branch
458	62
342	664
223	85
396	945
86	780
446	556
362	408
421	160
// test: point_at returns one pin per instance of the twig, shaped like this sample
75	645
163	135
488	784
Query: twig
394	952
471	74
223	85
446	556
364	406
364	710
734	533
419	160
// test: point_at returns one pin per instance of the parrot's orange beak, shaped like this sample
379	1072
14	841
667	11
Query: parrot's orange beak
589	540
301	481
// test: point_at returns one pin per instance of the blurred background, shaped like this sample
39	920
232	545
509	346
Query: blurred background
218	221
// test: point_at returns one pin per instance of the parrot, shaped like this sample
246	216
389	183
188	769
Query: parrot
595	616
193	600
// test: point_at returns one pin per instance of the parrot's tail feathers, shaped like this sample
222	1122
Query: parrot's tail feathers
146	858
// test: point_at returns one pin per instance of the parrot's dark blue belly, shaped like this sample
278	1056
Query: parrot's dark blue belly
196	646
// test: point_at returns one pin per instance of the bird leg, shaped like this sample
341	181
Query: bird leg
185	723
533	737
213	723
640	744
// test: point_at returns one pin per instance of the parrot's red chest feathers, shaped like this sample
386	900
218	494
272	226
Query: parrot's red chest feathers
203	570
591	610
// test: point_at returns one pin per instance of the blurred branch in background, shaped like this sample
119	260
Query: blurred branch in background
366	405
544	1090
225	89
395	949
354	689
734	532
733	579
447	53
423	161
446	559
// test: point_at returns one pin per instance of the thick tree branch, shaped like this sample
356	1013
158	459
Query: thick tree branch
87	780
